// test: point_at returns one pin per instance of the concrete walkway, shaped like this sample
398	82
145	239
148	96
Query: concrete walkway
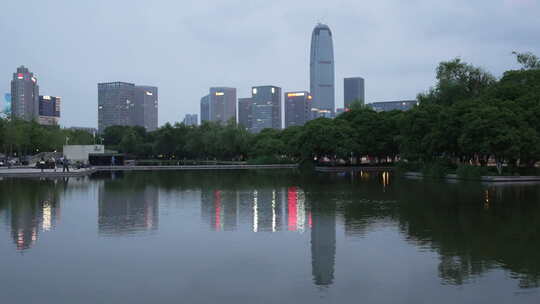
353	169
50	173
488	179
33	172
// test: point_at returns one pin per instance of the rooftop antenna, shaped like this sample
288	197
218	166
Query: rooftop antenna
323	18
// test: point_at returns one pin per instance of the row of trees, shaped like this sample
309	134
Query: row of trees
469	115
19	137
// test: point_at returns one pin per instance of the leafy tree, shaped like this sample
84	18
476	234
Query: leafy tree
528	60
457	80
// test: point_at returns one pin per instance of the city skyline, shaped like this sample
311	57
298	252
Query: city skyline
372	53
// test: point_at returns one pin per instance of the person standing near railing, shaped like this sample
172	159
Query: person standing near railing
41	164
65	165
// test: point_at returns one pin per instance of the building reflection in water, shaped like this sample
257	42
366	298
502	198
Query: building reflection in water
220	209
30	212
273	210
264	210
323	242
126	209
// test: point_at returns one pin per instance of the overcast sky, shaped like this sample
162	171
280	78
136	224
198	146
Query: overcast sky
184	47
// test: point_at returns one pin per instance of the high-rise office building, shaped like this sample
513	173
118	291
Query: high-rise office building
353	90
125	104
205	108
146	107
191	120
222	104
266	108
115	104
297	108
24	95
49	110
322	68
245	115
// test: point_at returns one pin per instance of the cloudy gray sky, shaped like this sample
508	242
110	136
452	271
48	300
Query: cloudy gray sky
184	47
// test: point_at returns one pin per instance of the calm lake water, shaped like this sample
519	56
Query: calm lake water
267	237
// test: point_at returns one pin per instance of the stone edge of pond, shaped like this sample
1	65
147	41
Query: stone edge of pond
36	173
491	179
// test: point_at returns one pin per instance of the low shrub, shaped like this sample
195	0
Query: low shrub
408	166
471	172
436	169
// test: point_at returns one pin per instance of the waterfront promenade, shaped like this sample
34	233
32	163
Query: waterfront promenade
50	173
488	179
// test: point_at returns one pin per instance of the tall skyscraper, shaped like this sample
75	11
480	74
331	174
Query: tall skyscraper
266	108
222	104
297	108
124	104
245	115
205	108
322	68
191	120
49	110
353	90
24	95
146	107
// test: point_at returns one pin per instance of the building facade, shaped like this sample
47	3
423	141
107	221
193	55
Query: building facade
400	105
266	108
24	95
297	108
353	90
115	104
321	66
191	120
245	112
125	104
146	107
49	110
222	104
205	108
